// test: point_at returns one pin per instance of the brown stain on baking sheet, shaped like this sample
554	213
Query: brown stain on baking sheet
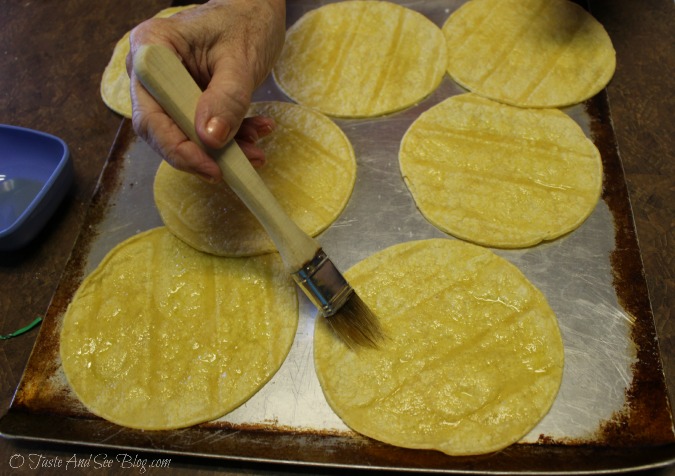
645	419
51	396
646	416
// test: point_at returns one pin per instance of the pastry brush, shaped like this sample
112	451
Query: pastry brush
164	76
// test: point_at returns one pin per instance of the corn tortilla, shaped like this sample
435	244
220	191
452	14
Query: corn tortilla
161	336
529	53
361	59
474	355
499	175
310	169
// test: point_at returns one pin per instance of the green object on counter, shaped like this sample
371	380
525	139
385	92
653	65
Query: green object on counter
23	330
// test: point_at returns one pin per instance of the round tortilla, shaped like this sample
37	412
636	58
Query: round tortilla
310	169
161	336
474	355
115	84
361	59
529	53
499	175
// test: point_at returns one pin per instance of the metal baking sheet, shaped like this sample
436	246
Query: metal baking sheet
612	411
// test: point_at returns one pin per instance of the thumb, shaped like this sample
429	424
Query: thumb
223	105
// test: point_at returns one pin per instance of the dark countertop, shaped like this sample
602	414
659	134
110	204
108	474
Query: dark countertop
51	60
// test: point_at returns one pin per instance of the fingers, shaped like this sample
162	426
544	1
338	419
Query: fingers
211	40
164	136
238	62
254	154
224	103
151	122
153	125
254	128
251	130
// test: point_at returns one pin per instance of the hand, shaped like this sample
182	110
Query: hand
229	47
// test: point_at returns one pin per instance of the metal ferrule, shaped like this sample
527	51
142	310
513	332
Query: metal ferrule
323	284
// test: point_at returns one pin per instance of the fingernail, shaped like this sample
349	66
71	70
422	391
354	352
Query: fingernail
267	129
217	129
252	138
269	125
258	162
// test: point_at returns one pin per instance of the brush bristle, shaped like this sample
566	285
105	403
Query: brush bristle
356	324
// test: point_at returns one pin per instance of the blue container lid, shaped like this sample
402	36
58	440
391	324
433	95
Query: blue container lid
35	174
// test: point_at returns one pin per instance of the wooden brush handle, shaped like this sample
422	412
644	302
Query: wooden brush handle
165	77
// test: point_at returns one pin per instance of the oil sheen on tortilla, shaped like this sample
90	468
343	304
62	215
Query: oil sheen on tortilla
474	355
498	175
529	53
361	58
161	336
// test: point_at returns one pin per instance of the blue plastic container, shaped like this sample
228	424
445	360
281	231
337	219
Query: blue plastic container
35	175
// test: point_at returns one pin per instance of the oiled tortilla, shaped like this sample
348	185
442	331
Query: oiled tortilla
361	58
529	53
310	169
499	175
161	336
473	359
